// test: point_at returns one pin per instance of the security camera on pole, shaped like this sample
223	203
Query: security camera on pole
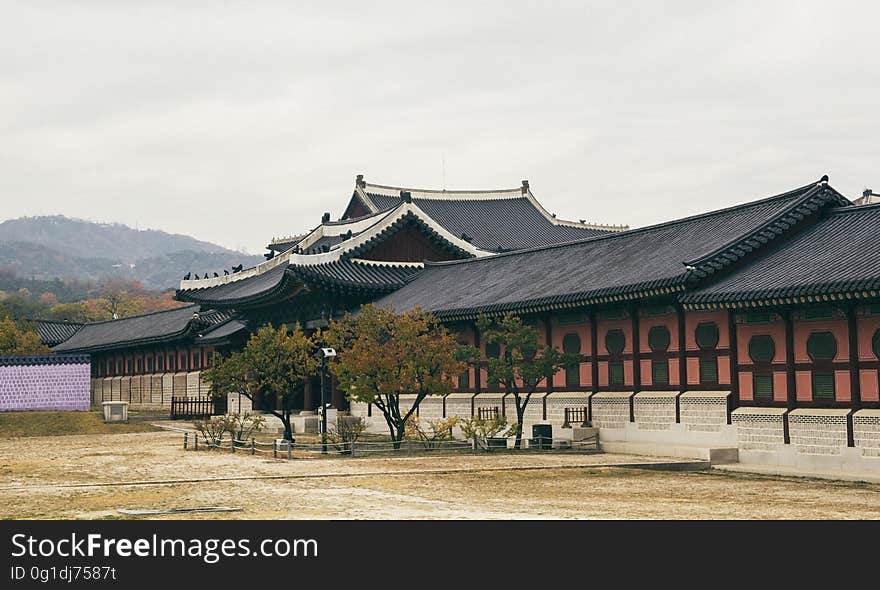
325	354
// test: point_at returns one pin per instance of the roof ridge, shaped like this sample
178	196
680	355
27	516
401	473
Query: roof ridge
853	208
142	315
615	235
517	189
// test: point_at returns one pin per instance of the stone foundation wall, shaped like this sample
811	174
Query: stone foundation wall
759	429
458	404
818	432
558	401
431	408
534	410
866	432
611	409
654	410
704	411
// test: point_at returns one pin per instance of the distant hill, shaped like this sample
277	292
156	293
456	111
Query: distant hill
46	248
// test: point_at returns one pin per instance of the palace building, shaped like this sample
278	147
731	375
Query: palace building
754	328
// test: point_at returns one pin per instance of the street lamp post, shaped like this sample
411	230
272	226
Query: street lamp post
325	354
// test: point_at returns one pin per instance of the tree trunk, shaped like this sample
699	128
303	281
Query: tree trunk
520	416
288	431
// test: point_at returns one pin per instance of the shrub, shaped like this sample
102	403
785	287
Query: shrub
480	430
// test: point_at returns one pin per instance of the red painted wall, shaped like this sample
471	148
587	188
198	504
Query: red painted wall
869	379
645	325
585	368
802	331
744	333
603	327
692	320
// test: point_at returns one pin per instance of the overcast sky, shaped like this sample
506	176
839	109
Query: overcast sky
235	122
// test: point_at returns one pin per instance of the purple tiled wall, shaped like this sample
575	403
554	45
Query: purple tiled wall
44	387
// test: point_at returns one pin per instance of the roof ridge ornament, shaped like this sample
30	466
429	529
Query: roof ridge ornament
824	179
406	196
359	181
525	186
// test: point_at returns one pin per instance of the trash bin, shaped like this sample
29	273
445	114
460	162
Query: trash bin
542	436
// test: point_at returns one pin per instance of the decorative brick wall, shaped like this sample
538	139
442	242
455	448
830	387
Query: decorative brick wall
866	432
611	409
557	402
703	411
818	432
458	404
46	382
493	400
654	410
534	410
759	429
431	408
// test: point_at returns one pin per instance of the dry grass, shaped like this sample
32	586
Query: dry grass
575	486
20	424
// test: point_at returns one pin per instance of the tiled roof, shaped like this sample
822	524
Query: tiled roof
839	255
55	332
160	326
221	332
647	261
379	277
268	284
494	220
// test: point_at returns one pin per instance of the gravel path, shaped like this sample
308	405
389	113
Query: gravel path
32	471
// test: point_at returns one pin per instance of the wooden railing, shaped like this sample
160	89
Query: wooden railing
196	407
577	416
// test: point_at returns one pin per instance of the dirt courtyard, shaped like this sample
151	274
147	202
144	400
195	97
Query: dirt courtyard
144	471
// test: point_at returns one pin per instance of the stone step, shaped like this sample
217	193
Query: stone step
715	455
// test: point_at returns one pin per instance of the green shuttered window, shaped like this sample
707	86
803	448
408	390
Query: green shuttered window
571	344
763	385
823	386
660	372
875	344
615	373
709	370
658	338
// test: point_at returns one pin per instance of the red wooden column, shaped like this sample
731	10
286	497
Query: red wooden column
790	378
733	401
548	332
855	383
636	347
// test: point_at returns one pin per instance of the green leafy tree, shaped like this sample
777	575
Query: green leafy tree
383	355
523	364
273	366
14	340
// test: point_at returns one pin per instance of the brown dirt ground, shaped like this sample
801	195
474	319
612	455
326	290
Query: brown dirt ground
32	471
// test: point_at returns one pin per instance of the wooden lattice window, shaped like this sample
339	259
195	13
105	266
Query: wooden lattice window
658	340
171	363
160	363
571	344
707	338
149	364
196	360
875	344
615	342
762	351
822	348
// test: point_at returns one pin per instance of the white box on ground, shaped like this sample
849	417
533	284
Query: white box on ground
115	411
